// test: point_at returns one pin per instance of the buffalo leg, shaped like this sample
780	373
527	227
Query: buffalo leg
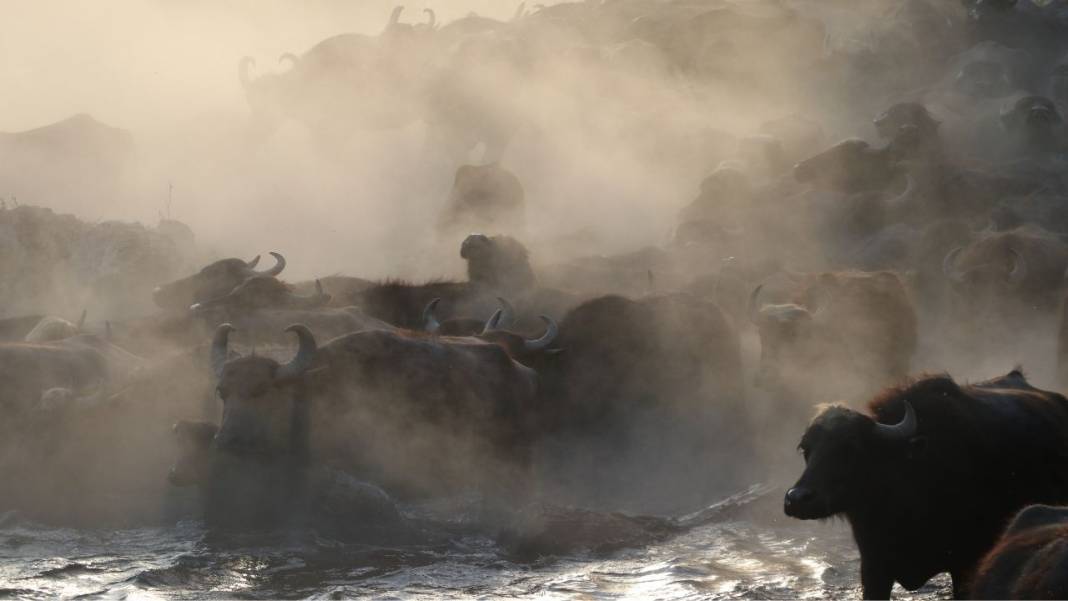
876	583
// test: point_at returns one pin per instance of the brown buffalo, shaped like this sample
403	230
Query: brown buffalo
1022	267
847	323
422	412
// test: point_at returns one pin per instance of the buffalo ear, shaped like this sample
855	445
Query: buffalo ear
917	447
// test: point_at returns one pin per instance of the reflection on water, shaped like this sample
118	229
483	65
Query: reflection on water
755	556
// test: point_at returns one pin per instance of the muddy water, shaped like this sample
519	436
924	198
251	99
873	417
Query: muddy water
757	555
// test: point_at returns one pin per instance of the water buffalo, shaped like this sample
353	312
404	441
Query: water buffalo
1035	125
1030	560
852	166
855	323
499	263
212	282
639	385
929	476
387	403
1022	267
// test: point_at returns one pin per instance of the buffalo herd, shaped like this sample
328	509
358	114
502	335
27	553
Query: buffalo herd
652	381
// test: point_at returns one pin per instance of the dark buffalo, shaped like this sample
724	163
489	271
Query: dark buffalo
212	282
638	386
499	263
1031	559
1034	124
388	403
928	478
856	323
852	166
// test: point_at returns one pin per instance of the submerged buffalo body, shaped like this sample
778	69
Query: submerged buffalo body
928	478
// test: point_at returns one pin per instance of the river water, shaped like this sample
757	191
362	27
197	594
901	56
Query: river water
755	554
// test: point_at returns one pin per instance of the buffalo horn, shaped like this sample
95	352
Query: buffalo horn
754	311
279	265
551	331
289	56
903	430
949	264
305	353
507	312
1019	268
430	321
493	322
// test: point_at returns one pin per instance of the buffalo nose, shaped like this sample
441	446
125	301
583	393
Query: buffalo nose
798	496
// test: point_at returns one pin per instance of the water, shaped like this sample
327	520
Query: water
756	555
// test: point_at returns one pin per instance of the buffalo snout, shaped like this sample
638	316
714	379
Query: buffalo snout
802	503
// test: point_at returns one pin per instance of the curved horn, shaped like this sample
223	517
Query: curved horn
753	310
493	322
910	189
903	430
290	57
219	348
318	299
1019	269
305	353
507	312
81	321
279	265
520	11
253	263
551	332
431	18
394	17
243	68
949	265
430	322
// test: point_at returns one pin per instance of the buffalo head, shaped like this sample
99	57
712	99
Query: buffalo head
259	404
785	330
211	282
498	262
843	449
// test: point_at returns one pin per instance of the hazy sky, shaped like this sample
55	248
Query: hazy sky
125	61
